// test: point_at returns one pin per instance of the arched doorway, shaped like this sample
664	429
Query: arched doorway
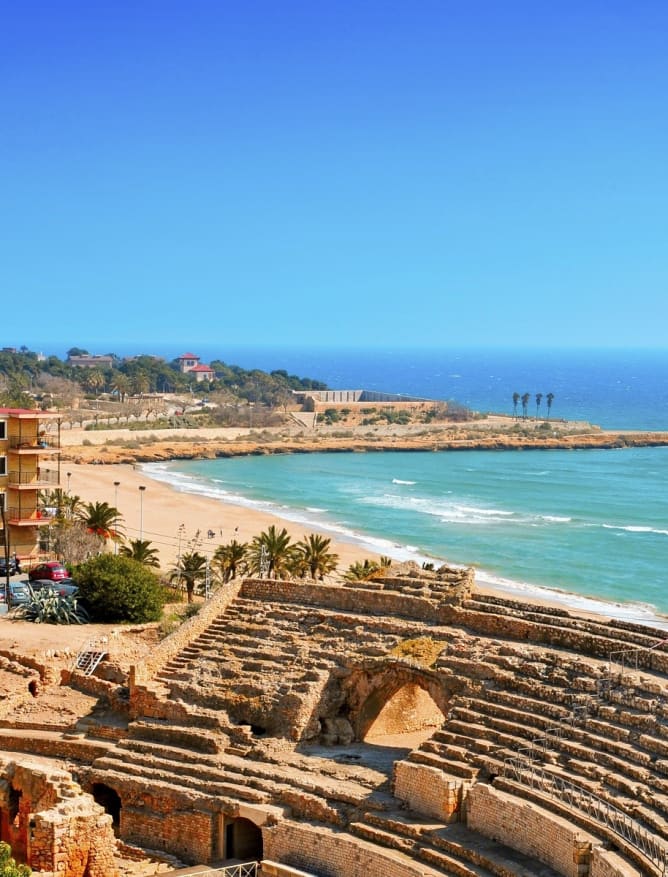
243	840
407	718
108	798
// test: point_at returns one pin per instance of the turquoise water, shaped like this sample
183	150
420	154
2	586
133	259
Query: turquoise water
588	524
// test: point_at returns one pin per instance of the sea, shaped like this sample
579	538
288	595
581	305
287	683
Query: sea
584	528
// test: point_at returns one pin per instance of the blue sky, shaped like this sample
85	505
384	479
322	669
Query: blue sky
342	173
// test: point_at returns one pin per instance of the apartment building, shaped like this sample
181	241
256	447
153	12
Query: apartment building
29	463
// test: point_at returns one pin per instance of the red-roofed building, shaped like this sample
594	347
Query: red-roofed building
189	362
203	373
29	462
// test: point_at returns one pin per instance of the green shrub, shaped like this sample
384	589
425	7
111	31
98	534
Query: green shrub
8	867
117	588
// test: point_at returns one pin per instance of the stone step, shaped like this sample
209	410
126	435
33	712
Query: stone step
462	843
414	849
188	738
448	766
154	772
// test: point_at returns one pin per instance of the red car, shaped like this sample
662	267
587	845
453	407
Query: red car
52	570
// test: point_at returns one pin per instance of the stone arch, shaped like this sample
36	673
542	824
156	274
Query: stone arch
108	798
243	839
415	691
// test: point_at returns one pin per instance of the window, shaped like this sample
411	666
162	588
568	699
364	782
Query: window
3	466
3	430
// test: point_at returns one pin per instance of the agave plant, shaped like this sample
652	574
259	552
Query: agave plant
45	607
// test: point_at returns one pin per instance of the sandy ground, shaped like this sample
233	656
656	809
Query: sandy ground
171	520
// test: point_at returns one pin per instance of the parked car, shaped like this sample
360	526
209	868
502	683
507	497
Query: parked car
18	594
62	587
3	565
52	570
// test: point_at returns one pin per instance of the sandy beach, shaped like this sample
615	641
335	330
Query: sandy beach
171	520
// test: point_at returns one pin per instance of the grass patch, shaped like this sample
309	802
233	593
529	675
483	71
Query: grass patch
423	651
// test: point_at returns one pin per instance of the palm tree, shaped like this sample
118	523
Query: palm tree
72	505
100	518
550	400
271	553
140	550
362	572
525	404
539	399
94	381
189	570
141	383
231	558
314	554
121	386
516	399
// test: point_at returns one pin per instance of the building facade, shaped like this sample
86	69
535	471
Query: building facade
29	463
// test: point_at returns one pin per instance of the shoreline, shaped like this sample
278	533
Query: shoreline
494	432
170	518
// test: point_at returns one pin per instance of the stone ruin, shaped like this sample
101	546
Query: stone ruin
394	728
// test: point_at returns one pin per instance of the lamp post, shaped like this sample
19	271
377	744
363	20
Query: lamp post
69	475
116	486
142	488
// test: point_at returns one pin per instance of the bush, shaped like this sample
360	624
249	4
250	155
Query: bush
8	867
116	588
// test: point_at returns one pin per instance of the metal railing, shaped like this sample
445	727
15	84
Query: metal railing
34	443
249	869
629	658
25	516
34	479
583	801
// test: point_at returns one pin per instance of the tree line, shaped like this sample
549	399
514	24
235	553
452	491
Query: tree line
25	376
525	398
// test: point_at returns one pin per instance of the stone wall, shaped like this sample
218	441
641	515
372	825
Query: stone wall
605	863
426	790
183	635
182	831
315	848
528	828
51	824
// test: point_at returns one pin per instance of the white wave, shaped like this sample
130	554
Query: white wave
641	613
400	481
635	528
447	511
556	519
315	510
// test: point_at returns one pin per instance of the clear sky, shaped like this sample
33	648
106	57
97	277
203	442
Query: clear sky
289	172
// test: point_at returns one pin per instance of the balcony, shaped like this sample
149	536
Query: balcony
34	445
36	480
18	517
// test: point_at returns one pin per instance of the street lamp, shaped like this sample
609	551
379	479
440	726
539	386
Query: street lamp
116	486
142	488
69	475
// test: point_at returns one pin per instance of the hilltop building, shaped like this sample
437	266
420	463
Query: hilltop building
86	360
189	363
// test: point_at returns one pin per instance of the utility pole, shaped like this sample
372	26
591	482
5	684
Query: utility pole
5	543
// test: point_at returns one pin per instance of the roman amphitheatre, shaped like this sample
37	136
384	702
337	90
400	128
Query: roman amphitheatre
409	725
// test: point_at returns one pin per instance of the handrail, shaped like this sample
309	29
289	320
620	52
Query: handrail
248	869
534	776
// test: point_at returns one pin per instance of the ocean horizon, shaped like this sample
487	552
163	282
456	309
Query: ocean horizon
612	388
588	529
